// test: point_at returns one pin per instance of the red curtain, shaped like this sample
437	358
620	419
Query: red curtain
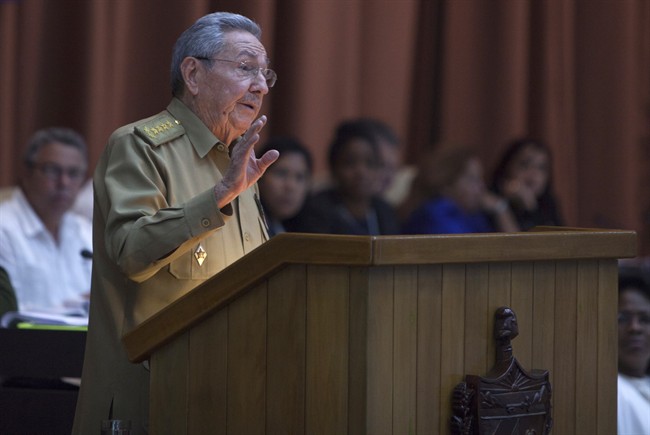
575	73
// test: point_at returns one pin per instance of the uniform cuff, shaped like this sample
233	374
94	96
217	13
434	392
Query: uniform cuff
202	214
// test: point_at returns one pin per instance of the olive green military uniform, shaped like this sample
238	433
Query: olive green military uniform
157	234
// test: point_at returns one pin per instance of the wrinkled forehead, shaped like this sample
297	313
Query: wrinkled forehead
58	151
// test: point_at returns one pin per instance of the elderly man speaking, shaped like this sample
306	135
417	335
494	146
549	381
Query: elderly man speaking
175	203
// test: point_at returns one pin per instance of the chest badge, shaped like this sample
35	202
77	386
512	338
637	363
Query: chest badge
200	255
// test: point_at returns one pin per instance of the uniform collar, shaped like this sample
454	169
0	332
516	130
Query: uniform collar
198	133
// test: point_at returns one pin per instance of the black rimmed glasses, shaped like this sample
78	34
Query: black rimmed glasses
54	172
247	70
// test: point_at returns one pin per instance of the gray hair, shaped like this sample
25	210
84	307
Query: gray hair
46	136
205	38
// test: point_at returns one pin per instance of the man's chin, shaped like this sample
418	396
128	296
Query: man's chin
244	120
61	205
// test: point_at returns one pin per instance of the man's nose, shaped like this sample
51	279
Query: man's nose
260	84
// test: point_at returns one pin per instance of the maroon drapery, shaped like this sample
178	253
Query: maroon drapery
575	73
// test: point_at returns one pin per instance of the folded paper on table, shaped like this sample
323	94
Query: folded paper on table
13	318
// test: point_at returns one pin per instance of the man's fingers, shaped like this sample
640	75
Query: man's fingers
250	137
255	127
268	158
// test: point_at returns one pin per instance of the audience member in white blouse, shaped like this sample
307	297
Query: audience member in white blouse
633	356
44	247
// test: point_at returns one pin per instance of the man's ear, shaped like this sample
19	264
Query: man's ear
190	69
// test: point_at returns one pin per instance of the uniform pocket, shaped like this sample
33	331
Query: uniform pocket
187	266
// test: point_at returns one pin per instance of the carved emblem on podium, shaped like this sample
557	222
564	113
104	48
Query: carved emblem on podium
509	399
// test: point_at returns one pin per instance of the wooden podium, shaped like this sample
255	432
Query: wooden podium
318	334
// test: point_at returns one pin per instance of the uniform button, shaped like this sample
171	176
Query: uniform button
220	147
205	222
247	237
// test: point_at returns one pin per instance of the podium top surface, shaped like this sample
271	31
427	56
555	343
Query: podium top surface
542	243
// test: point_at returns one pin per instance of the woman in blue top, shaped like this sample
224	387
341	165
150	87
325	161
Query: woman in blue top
457	198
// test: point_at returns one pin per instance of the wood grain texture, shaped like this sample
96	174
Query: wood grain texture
358	386
247	363
239	278
587	346
363	250
498	296
208	375
607	345
378	348
405	349
452	340
327	349
287	311
526	246
478	359
521	301
565	342
544	317
429	351
168	389
380	345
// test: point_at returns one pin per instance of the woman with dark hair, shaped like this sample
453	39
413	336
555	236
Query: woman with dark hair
285	184
523	176
352	205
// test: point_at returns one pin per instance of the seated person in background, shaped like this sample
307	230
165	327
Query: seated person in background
422	185
44	247
633	355
523	176
351	205
285	185
7	294
394	177
458	201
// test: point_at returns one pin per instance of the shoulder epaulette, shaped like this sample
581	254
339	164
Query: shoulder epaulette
159	129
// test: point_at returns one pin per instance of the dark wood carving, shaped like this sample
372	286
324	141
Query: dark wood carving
508	400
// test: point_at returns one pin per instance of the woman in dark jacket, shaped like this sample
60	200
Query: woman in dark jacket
352	205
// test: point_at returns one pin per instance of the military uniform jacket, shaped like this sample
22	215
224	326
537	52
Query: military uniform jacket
155	214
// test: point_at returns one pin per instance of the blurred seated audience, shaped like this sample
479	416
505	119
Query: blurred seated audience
352	204
7	294
45	248
524	177
285	184
449	196
633	355
394	177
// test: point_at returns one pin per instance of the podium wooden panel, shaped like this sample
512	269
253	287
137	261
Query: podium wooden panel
319	334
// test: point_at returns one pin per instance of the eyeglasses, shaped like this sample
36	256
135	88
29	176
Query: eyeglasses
246	70
625	318
54	172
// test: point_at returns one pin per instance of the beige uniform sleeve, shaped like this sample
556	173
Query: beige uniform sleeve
155	209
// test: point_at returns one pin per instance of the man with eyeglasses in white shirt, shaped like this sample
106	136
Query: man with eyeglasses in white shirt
42	243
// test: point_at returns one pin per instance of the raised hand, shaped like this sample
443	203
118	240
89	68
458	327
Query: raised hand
518	192
245	168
